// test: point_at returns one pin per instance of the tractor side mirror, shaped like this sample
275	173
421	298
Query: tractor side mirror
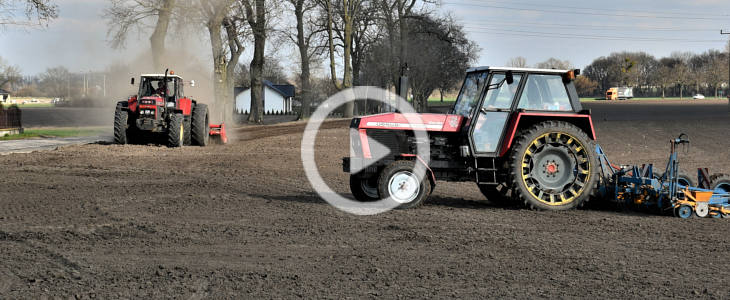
192	83
132	81
510	78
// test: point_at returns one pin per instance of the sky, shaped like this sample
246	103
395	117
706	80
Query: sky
578	31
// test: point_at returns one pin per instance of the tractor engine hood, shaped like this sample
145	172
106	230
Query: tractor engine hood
397	121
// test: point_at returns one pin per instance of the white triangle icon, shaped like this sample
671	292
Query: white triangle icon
378	151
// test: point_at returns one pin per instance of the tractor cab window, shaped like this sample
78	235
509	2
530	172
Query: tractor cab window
545	92
469	96
156	87
502	97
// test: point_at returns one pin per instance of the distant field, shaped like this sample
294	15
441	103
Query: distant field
55	132
29	102
32	105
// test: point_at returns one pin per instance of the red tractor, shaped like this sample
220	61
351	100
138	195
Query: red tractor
520	134
161	111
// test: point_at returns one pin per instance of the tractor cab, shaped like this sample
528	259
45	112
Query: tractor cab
169	87
491	98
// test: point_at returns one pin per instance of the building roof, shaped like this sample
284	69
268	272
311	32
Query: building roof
4	92
285	90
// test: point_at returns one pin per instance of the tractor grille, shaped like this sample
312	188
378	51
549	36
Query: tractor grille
391	141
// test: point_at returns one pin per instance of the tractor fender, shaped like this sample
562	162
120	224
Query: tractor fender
524	120
419	160
124	105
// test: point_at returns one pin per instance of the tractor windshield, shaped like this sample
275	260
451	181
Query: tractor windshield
470	91
153	86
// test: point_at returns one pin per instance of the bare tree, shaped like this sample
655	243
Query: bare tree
307	38
55	82
127	16
554	63
36	12
256	17
223	20
350	9
681	71
585	86
517	62
444	53
9	74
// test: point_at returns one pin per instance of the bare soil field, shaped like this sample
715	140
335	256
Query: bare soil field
241	221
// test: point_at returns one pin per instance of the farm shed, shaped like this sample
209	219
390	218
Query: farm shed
277	98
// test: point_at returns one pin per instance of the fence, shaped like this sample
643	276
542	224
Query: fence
10	117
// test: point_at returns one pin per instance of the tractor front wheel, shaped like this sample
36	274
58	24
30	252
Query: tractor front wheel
121	119
187	139
399	182
176	131
554	166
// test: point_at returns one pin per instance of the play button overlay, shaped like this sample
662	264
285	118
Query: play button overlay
382	151
378	151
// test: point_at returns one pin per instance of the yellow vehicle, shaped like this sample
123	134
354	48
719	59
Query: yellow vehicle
612	94
619	93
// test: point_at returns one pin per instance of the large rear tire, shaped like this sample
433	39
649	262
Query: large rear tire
176	131
121	122
497	194
553	166
200	127
720	183
398	182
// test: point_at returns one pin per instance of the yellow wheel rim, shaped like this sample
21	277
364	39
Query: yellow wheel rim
576	169
182	133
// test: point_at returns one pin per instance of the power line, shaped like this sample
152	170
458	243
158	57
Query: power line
582	36
591	27
583	13
682	13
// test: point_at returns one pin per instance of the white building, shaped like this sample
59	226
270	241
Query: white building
277	98
4	95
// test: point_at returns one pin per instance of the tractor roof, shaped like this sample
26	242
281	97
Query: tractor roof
161	75
517	70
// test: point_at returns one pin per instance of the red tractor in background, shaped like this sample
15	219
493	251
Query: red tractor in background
520	134
162	112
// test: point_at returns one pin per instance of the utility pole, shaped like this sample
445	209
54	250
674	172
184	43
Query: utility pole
723	32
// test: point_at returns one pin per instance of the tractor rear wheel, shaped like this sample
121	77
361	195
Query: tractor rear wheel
684	179
121	121
176	131
399	182
200	128
497	194
554	166
720	183
364	189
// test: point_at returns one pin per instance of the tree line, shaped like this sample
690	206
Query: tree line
359	42
681	74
